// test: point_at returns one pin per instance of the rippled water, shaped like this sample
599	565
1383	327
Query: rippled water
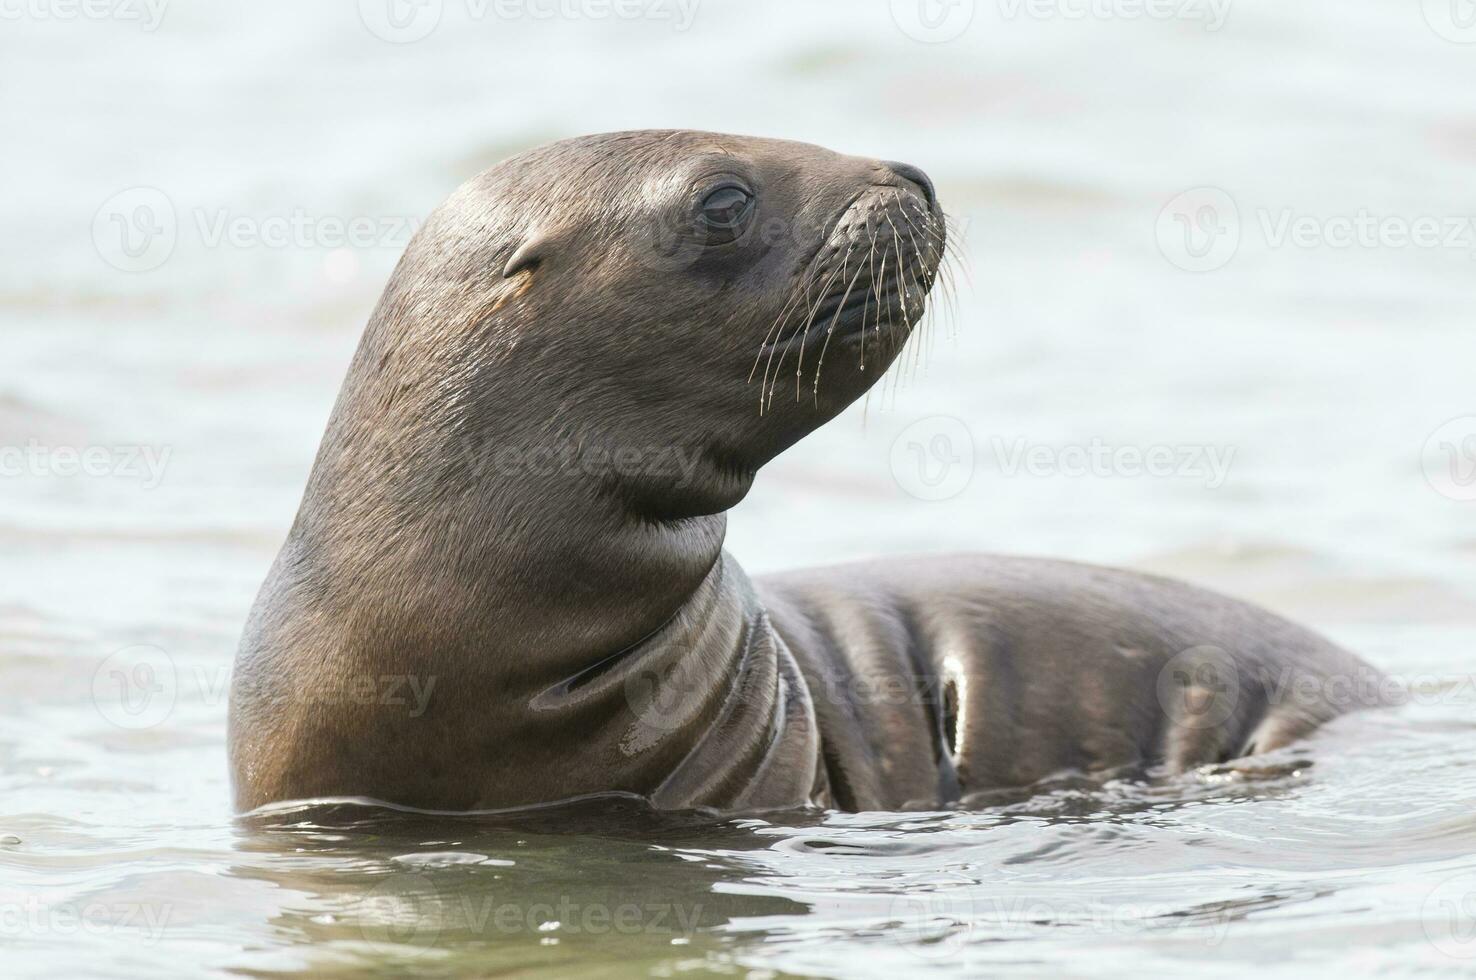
1323	374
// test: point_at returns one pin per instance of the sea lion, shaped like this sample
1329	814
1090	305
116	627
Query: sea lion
506	584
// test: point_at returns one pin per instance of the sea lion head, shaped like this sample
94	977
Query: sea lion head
722	295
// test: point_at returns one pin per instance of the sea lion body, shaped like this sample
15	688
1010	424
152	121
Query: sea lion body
506	584
939	679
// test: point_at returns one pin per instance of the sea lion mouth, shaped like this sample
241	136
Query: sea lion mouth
892	300
867	285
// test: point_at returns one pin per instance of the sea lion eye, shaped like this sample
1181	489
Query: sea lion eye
725	212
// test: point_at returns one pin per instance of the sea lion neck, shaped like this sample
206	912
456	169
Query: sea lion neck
501	512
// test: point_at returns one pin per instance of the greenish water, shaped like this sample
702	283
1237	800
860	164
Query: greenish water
1351	852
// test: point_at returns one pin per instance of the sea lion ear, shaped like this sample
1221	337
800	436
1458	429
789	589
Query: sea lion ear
528	255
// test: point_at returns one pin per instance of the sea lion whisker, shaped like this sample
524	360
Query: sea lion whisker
933	254
882	339
894	346
955	252
911	235
942	256
938	282
794	295
830	330
801	293
901	275
805	325
871	263
929	229
799	368
944	303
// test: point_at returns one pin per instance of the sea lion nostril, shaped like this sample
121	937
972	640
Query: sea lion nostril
908	172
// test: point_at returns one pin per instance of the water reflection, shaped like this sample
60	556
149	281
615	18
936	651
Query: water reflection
606	880
611	881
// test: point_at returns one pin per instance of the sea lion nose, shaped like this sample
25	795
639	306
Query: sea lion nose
908	172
